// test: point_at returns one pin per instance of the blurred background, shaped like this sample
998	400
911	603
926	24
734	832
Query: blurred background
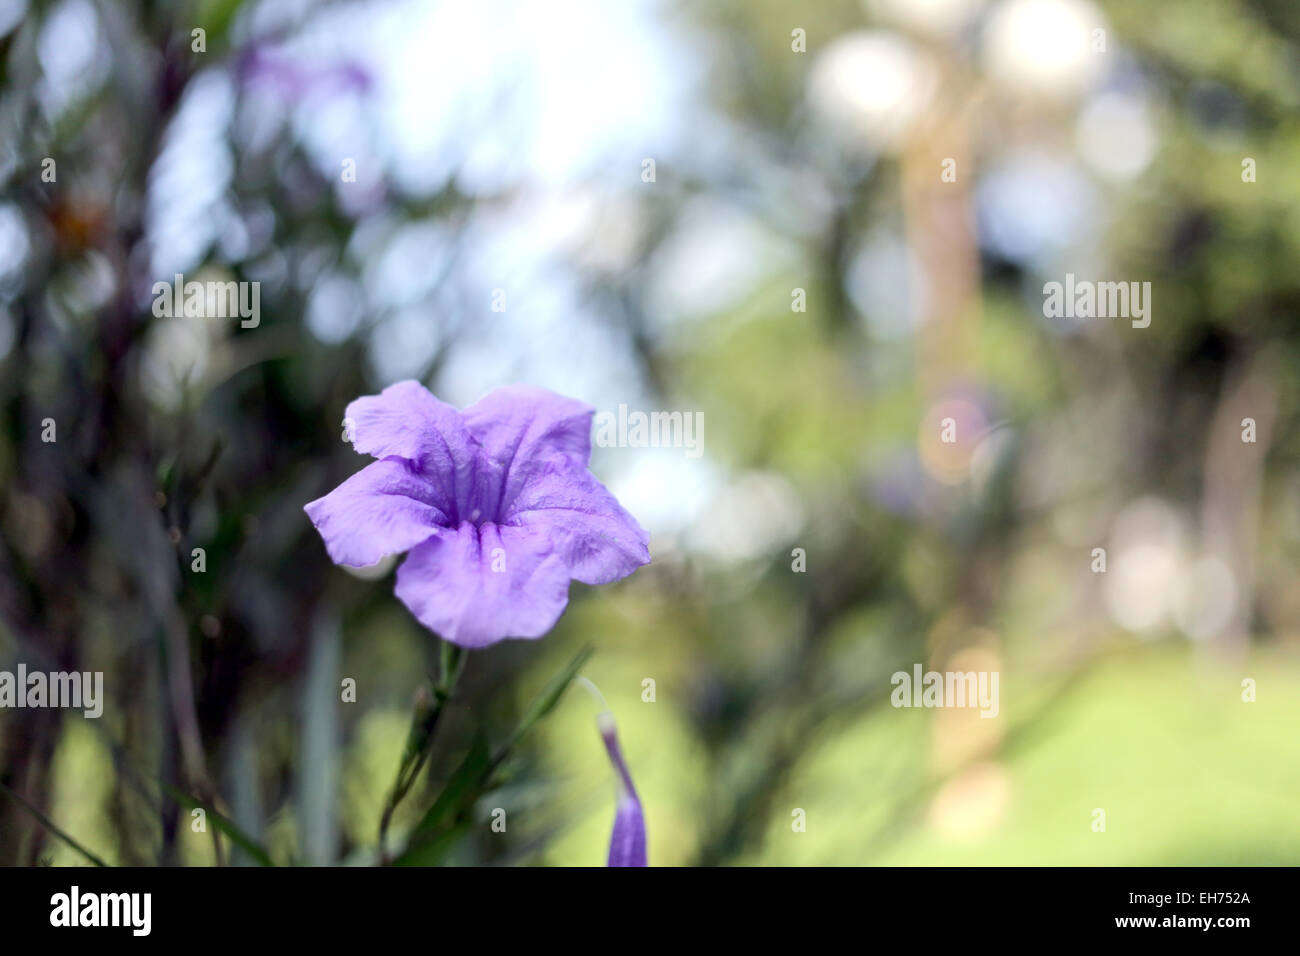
824	226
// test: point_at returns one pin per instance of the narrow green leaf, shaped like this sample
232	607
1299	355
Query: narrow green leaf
545	702
457	796
430	850
443	823
50	825
232	832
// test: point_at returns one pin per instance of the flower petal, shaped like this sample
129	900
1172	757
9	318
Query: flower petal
406	420
384	508
477	585
627	842
599	540
522	430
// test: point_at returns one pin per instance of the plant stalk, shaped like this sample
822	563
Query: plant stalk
429	704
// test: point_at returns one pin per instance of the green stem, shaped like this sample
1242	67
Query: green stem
419	741
50	825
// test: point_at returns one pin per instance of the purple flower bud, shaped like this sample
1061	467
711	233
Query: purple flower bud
627	842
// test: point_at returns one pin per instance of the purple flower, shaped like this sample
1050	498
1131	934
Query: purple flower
494	503
627	842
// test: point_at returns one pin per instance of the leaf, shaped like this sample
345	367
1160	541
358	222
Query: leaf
457	796
444	822
50	825
545	702
430	850
232	832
